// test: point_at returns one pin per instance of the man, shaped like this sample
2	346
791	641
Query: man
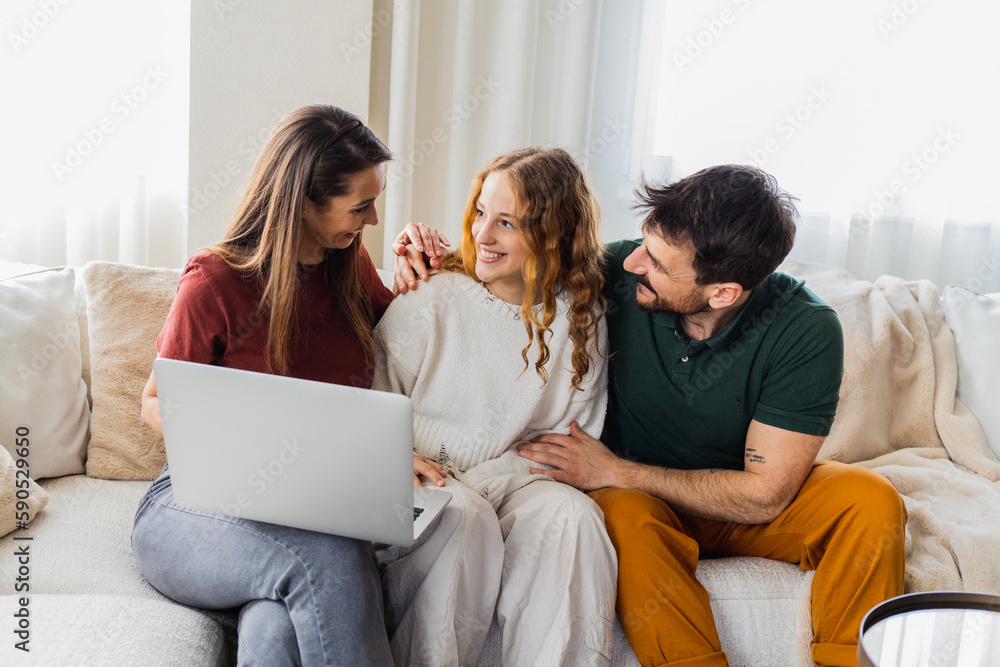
724	379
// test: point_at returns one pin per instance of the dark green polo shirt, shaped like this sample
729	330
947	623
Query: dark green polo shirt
681	403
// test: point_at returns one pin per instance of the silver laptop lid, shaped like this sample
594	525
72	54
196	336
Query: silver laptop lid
294	452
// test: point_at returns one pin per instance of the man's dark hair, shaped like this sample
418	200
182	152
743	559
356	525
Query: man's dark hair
742	225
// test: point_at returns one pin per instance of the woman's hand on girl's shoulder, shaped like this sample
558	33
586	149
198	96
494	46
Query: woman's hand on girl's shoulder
416	247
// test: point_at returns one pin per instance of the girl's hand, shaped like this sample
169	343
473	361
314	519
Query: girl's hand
432	470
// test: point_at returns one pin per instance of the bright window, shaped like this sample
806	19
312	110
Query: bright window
96	125
858	107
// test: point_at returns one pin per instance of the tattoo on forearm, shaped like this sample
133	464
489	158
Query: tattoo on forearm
753	457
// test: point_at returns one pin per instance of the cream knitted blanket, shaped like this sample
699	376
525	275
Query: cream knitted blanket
898	415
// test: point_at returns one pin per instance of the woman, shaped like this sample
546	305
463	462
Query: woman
288	290
532	549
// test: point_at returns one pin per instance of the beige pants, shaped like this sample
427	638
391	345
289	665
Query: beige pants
543	564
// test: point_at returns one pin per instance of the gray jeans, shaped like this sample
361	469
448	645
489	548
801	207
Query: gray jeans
307	598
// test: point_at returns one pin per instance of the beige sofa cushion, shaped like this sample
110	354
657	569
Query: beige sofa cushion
82	546
126	308
114	631
82	541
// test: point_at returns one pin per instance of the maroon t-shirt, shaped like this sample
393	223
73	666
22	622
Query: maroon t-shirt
214	320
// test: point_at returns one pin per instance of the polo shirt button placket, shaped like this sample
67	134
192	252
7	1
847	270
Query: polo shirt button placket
684	359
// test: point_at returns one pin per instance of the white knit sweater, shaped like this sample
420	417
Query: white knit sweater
455	349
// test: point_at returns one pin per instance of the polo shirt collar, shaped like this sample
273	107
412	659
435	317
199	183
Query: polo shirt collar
722	340
757	301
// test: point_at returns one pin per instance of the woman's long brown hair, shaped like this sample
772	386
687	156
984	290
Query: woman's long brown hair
559	220
300	160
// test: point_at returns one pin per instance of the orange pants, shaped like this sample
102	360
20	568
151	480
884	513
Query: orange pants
846	523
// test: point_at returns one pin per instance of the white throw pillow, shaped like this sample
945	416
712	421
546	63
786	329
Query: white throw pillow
975	321
41	386
11	269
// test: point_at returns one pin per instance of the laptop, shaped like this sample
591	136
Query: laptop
298	453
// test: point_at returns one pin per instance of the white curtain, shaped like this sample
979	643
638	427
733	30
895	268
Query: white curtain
879	116
471	80
946	252
95	118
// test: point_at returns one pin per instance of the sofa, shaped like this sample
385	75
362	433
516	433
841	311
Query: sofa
79	343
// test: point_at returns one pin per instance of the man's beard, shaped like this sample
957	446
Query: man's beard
689	304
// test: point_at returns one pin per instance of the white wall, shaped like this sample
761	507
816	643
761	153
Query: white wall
378	106
251	63
611	122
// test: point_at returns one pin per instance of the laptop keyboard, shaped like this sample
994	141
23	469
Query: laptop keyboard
417	511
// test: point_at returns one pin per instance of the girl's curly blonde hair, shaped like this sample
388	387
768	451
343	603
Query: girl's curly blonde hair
559	218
